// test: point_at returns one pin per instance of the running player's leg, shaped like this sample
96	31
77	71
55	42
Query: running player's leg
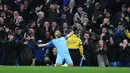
68	60
59	60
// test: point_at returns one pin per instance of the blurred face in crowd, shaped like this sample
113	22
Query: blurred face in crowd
125	42
31	31
120	27
1	7
65	25
46	24
26	4
52	6
33	24
88	2
107	15
111	40
104	30
85	20
18	32
1	20
20	19
97	5
71	4
21	7
16	14
57	34
53	24
86	36
54	51
5	7
124	9
40	15
80	9
101	43
128	9
106	21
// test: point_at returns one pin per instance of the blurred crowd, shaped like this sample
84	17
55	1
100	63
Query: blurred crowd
103	27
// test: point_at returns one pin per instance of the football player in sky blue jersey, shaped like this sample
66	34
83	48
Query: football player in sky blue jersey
62	50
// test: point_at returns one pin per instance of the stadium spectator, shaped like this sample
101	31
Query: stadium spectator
3	37
104	34
40	54
40	18
26	54
54	26
89	50
47	30
102	54
124	54
113	51
52	13
9	51
120	15
79	15
97	16
119	34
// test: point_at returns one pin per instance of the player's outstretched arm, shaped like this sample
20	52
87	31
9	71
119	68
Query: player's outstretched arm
43	45
74	28
70	34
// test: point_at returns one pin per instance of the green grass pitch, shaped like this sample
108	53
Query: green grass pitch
42	69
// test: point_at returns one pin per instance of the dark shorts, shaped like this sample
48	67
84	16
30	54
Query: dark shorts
75	55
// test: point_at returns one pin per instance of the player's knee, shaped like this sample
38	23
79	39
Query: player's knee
58	65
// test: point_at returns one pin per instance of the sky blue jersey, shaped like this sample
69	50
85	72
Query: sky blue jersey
60	44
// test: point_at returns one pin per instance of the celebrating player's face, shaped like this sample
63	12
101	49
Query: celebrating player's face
57	33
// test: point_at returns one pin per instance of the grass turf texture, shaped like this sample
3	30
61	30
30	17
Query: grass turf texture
41	69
